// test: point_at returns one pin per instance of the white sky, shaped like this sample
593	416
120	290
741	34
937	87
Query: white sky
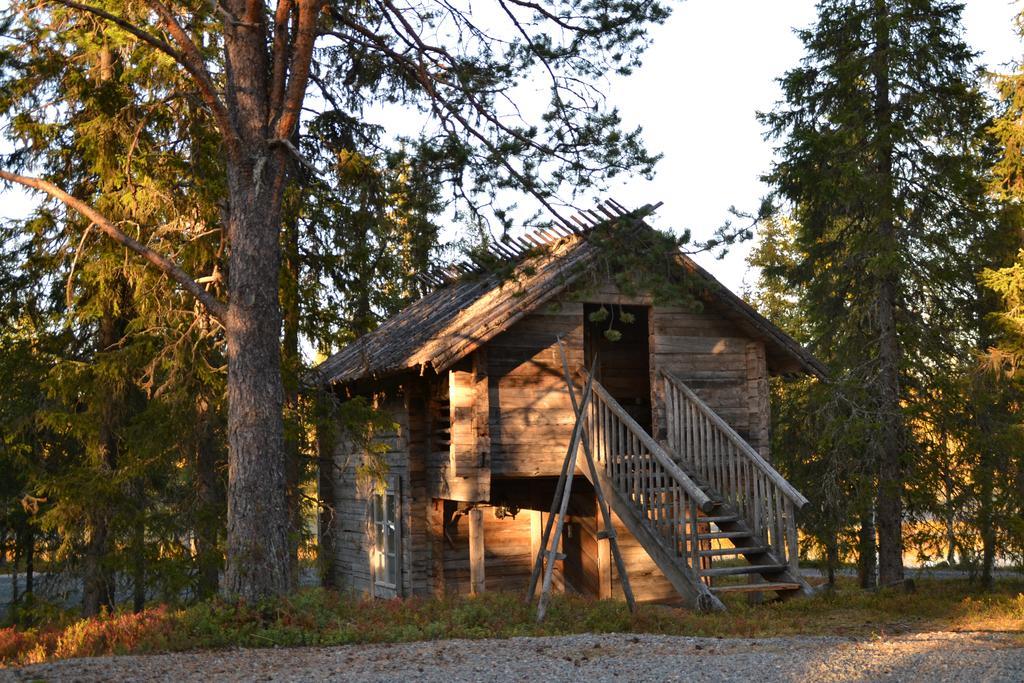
710	68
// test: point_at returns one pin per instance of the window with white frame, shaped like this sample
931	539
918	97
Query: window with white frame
385	533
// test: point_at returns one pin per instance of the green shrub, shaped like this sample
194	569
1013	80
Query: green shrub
320	617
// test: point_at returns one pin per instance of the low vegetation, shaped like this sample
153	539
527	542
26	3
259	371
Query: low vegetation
319	617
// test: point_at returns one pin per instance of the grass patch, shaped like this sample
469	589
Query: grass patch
319	617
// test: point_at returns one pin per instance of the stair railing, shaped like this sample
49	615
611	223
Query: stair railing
733	469
644	473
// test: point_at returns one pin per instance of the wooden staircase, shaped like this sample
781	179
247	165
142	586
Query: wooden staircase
700	501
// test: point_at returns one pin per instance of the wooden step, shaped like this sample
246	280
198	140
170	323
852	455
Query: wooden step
745	569
723	519
756	587
746	550
724	535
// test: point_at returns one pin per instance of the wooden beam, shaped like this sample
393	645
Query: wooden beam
604	566
435	531
476	551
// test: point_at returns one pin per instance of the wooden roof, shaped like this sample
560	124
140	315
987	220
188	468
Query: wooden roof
470	305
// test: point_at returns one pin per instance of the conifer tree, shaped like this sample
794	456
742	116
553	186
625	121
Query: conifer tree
245	68
1003	496
880	164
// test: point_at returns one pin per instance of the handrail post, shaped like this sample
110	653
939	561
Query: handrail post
792	539
694	541
719	471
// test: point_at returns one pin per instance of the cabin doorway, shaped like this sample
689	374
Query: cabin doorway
620	337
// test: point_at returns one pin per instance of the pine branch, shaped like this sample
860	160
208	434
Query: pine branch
188	57
217	308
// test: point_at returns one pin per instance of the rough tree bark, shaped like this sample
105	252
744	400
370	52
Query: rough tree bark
867	553
889	500
210	499
264	114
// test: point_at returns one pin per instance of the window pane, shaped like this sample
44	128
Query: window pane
385	537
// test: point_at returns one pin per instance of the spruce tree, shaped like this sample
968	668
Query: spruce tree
1002	498
880	164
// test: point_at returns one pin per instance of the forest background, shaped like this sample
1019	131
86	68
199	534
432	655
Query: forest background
114	421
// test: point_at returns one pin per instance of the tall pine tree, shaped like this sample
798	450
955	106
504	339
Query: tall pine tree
880	131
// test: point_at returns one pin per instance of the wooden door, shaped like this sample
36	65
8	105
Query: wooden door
620	337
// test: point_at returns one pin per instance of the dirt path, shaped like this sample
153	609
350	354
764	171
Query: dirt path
916	657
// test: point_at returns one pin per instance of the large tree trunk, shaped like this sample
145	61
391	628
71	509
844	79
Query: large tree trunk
98	580
209	496
257	536
889	501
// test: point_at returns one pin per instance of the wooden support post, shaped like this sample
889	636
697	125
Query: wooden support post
476	551
548	556
536	532
435	531
580	409
604	566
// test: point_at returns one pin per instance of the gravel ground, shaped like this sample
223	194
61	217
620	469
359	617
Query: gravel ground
939	656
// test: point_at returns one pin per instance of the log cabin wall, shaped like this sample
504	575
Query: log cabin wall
596	575
459	446
416	513
531	416
354	542
508	551
512	529
437	451
719	361
353	522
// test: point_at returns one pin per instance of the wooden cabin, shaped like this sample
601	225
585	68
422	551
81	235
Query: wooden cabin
678	424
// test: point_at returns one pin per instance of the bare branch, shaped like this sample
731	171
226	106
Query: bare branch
216	307
192	59
287	144
279	72
299	69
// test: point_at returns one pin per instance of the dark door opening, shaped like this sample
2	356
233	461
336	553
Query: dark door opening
620	337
